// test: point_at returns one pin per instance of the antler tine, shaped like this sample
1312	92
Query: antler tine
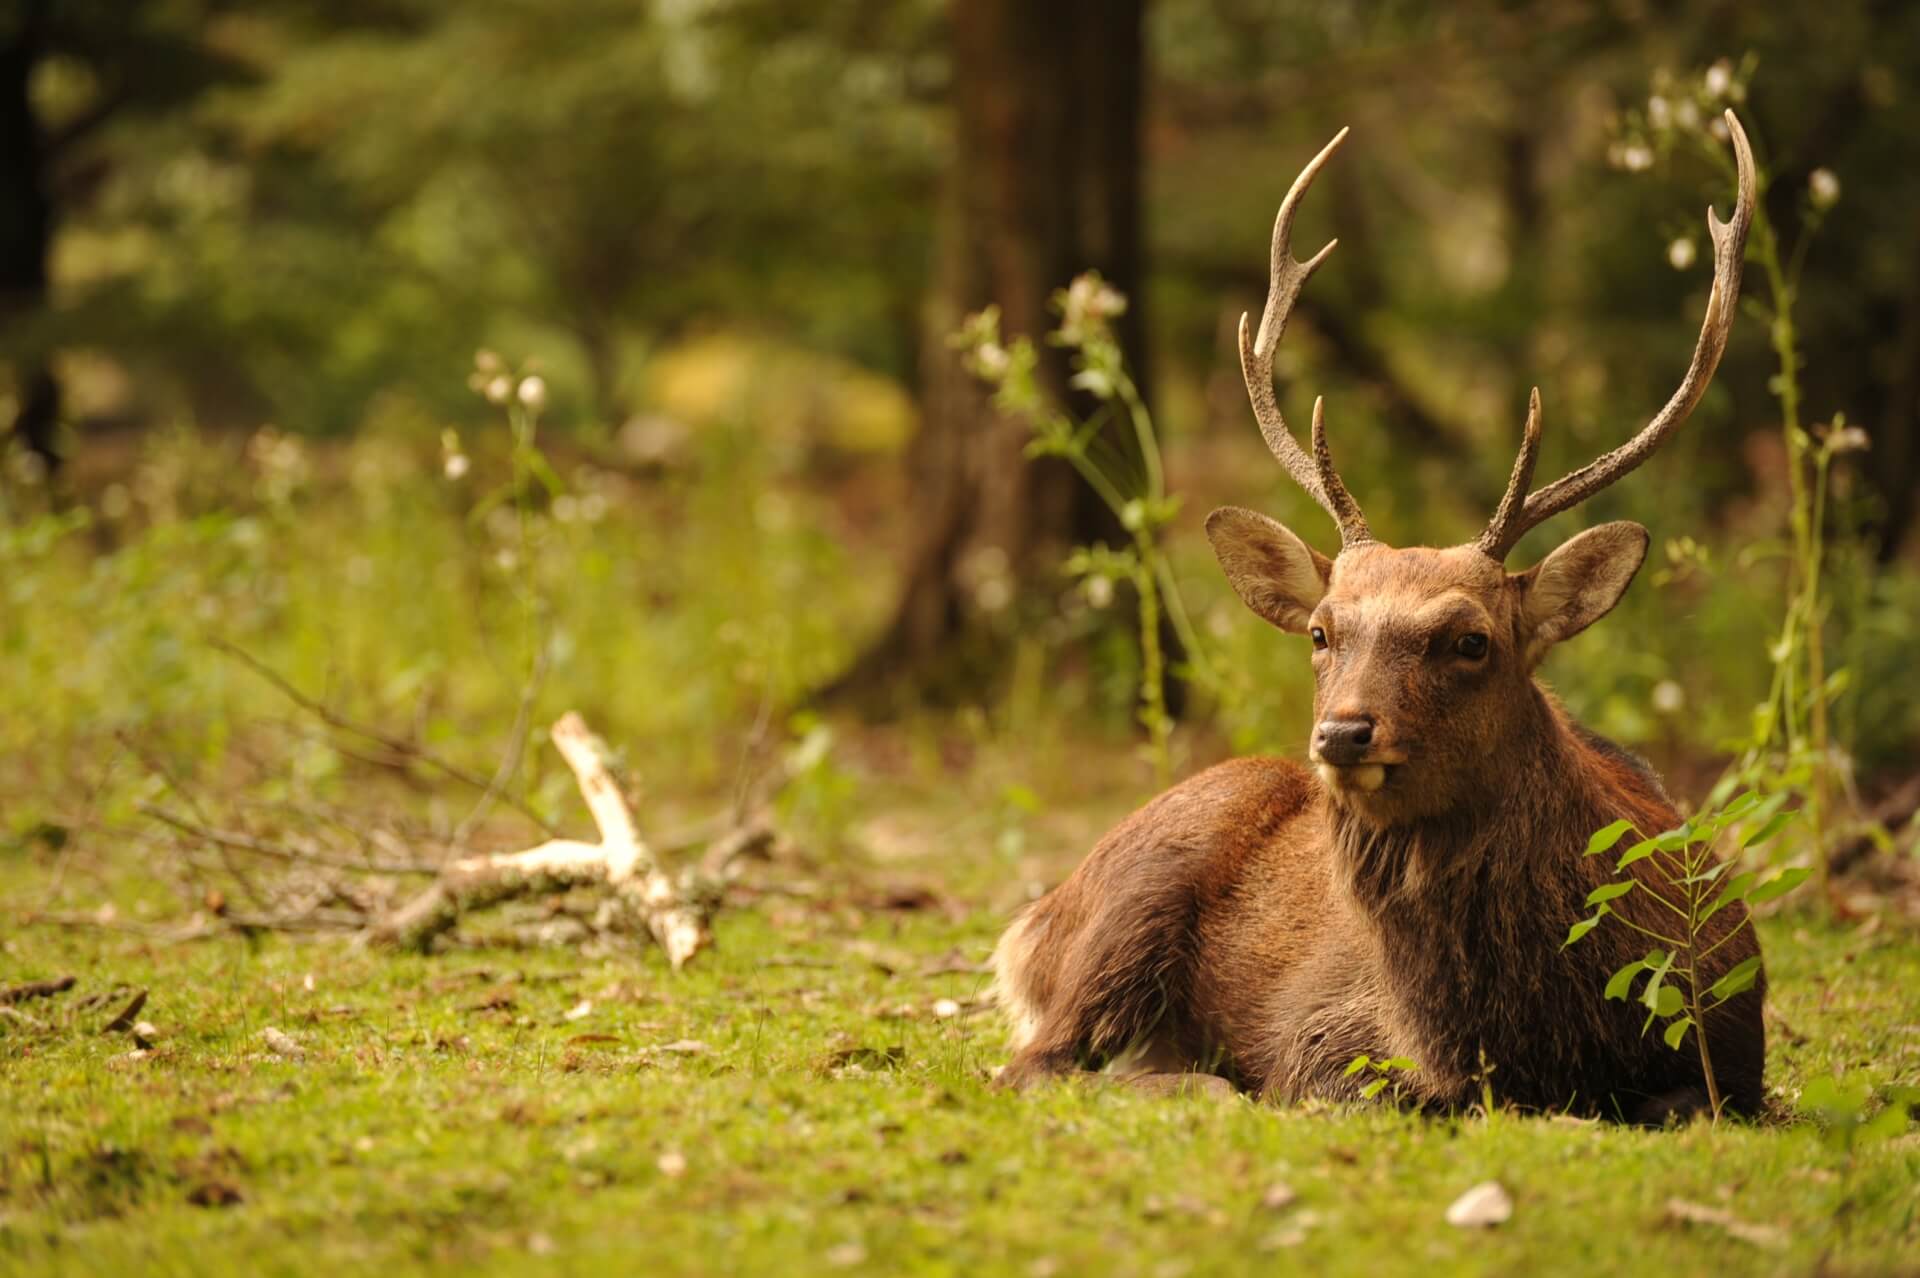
1286	279
1499	536
1338	501
1729	253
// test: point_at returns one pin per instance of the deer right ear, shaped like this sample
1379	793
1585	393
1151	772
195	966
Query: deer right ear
1279	576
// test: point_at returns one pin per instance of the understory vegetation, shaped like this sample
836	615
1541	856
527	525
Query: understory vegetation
854	544
812	1092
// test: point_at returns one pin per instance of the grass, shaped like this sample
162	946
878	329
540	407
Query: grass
460	1112
455	1112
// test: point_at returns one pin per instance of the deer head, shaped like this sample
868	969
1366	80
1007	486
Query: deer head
1423	658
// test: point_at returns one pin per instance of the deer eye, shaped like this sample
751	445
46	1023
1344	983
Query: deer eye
1319	638
1472	647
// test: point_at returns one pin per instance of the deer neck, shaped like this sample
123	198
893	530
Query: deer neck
1468	910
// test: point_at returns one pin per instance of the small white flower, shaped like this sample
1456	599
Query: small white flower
1681	253
1823	188
500	389
533	392
1719	79
1099	590
1668	697
1687	114
456	465
486	361
1659	112
1636	157
1849	439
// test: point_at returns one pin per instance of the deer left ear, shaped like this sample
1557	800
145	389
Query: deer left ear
1579	583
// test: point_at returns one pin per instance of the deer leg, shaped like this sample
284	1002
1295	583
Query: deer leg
1111	990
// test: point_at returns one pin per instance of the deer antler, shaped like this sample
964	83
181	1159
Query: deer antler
1317	475
1515	516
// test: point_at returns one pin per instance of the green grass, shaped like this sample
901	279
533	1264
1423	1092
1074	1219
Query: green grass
449	1114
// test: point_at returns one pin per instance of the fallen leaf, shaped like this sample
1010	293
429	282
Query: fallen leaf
581	1010
494	1000
1485	1205
1764	1236
283	1044
684	1047
214	1193
864	1059
594	1038
846	1255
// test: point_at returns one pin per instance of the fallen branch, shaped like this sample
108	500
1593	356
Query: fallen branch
34	989
260	847
674	912
400	747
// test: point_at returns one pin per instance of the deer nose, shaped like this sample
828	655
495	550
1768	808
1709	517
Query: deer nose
1343	742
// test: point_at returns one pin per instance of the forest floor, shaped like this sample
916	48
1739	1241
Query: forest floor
812	1095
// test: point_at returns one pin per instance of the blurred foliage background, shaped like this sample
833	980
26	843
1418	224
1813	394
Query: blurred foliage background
248	253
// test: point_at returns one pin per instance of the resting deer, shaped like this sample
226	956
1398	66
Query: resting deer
1409	895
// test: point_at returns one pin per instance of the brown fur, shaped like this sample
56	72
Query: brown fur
1258	923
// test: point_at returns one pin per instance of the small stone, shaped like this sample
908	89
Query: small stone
1485	1205
283	1044
1279	1196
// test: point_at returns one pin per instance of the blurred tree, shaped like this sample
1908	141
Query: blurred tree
65	70
26	226
1044	183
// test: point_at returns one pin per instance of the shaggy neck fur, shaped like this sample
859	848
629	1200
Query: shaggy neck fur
1469	910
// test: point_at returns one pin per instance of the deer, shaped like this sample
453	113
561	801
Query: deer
1408	895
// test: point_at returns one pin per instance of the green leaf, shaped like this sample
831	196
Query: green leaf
1373	1089
1585	926
1357	1064
1606	836
1402	1063
1675	839
1676	1031
1669	1001
1738	807
1650	996
1779	885
1611	891
1738	979
1775	823
1622	982
1707	875
1736	890
1638	852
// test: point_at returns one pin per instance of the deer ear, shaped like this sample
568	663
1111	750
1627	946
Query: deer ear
1579	583
1279	576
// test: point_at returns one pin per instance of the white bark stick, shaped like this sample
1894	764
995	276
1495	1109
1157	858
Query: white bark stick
621	861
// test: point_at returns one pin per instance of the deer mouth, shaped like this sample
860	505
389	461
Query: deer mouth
1357	778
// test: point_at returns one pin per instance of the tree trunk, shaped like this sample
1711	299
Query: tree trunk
1045	183
26	233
